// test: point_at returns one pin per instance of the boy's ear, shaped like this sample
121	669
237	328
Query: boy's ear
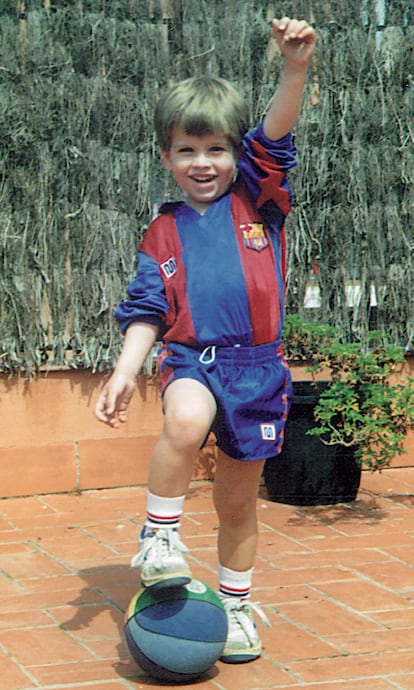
165	159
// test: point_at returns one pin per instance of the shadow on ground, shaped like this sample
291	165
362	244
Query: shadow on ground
368	507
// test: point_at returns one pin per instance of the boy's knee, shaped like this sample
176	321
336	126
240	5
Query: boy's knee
235	508
187	423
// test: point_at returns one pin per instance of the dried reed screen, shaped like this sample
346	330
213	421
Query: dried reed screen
80	174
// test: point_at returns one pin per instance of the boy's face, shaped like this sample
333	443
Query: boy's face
203	166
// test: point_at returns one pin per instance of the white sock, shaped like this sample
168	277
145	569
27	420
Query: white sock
233	583
164	512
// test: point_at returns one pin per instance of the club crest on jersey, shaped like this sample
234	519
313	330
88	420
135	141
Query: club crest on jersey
169	267
268	432
254	236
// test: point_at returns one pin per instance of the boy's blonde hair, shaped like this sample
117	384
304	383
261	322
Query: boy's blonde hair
201	105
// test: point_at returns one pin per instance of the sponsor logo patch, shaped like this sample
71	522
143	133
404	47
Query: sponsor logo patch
268	432
254	236
169	267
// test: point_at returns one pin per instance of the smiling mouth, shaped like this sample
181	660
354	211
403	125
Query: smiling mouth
204	180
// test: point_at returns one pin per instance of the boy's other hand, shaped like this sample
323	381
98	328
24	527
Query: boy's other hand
112	404
296	40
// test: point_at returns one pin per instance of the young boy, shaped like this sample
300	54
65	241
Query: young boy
210	283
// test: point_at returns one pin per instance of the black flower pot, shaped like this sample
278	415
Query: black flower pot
308	472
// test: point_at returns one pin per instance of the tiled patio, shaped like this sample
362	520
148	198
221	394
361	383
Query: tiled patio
337	584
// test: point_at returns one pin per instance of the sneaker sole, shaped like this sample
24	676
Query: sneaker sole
167	583
242	658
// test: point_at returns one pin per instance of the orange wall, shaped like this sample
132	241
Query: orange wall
50	440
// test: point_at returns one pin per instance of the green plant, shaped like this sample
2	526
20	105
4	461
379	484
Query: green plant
367	404
302	340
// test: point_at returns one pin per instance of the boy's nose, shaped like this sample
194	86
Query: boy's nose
201	160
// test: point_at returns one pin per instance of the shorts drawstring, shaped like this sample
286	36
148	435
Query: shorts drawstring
209	349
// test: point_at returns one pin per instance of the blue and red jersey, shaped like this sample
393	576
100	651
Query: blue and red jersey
219	278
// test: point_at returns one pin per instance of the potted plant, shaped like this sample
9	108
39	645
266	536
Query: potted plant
356	416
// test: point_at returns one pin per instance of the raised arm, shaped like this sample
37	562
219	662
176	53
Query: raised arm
296	40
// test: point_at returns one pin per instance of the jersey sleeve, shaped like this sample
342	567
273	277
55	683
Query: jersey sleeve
263	166
146	300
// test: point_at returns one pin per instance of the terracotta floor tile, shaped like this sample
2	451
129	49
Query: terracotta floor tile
12	677
273	545
353	667
306	533
395	575
317	559
205	557
285	641
108	648
260	675
324	617
14	548
398	618
5	525
28	528
48	644
264	575
102	669
78	550
20	507
104	577
29	565
113	532
370	527
82	671
363	541
59	583
335	581
91	622
7	587
41	600
389	480
375	641
363	596
85	508
406	681
24	619
376	684
200	523
126	551
403	553
200	542
205	573
287	594
104	685
120	594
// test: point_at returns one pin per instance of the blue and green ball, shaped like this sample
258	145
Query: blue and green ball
176	634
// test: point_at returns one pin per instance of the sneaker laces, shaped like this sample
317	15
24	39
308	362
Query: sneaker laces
238	615
161	543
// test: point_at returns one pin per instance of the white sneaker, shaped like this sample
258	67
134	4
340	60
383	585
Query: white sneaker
160	559
243	643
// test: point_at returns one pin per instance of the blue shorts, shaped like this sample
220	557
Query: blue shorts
252	388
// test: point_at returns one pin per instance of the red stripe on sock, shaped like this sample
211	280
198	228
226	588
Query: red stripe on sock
233	592
163	519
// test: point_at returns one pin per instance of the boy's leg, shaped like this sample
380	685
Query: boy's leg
235	495
189	410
